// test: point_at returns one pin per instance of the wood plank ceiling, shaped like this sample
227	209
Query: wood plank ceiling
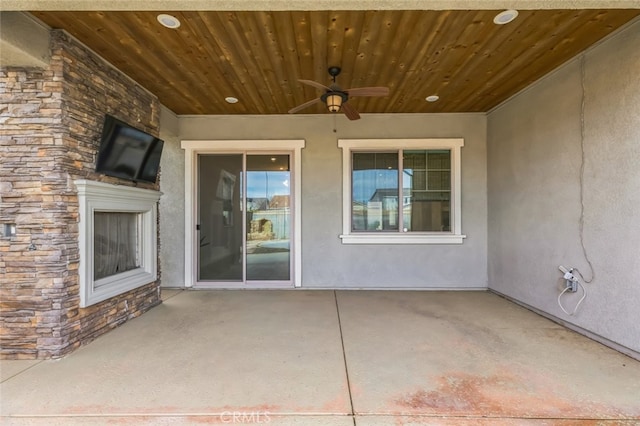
257	56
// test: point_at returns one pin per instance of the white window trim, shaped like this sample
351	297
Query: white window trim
453	237
103	197
194	147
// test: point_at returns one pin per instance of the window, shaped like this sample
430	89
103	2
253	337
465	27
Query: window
401	191
118	239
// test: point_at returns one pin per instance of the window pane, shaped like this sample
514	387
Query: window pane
374	205
426	188
115	243
439	181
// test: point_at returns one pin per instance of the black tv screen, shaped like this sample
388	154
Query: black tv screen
127	152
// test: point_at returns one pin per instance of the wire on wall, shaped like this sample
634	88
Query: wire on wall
575	309
583	159
582	167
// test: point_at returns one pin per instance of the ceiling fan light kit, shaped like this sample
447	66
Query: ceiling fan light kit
336	99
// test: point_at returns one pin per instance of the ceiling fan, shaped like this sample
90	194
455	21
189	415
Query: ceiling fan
336	98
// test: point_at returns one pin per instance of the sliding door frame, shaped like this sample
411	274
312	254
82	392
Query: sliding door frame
193	148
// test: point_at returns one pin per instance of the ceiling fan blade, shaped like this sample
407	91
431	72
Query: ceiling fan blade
304	105
368	91
315	84
350	112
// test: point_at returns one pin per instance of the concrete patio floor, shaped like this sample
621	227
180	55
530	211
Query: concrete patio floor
329	358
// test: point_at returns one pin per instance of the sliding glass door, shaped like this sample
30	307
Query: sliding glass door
244	222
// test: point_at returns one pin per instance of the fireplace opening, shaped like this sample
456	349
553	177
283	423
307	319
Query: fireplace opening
116	243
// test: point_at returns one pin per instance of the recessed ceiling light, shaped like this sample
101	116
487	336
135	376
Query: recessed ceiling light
168	21
432	98
505	17
231	100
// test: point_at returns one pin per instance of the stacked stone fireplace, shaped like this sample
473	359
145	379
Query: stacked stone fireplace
50	125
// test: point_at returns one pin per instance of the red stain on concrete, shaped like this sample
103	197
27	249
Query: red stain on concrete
502	395
246	408
106	409
120	415
338	405
495	421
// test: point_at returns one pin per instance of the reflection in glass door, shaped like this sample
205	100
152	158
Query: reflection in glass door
244	219
268	229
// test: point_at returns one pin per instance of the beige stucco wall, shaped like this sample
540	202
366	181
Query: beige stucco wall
536	145
23	41
326	262
171	205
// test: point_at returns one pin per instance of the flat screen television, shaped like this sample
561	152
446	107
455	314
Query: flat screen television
127	152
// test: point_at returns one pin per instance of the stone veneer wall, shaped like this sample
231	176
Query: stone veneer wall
50	126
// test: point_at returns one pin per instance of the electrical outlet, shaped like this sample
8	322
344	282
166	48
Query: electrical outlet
8	230
571	285
571	282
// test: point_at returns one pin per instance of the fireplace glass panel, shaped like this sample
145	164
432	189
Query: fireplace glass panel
116	243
